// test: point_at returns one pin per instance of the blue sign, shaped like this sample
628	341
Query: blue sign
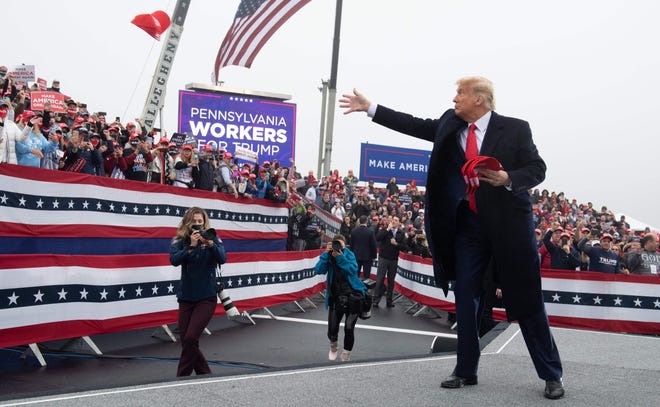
227	121
381	163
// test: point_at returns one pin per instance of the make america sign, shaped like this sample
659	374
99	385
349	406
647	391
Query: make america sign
380	163
229	121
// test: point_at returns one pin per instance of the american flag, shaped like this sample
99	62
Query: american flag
254	23
81	254
573	299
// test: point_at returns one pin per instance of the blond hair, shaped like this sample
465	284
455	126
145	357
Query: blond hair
482	87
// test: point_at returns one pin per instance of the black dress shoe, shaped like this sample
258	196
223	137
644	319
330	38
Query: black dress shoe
456	382
554	389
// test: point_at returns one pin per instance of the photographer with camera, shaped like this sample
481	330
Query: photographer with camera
418	244
198	250
344	293
563	256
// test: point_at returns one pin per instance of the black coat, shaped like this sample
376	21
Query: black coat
363	243
505	216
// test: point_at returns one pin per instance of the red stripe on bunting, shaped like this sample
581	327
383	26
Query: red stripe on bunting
72	329
65	177
97	231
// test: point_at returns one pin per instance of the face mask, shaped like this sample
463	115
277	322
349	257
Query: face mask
3	113
71	112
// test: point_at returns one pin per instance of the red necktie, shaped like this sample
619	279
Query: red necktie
471	151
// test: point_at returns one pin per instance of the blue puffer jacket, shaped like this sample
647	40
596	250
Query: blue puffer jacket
197	268
346	264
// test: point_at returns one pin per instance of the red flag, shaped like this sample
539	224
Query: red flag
255	22
153	24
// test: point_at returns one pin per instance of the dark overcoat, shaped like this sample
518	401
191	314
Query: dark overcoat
505	216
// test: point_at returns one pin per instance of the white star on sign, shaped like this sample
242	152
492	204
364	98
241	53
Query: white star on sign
98	205
617	301
21	202
138	291
154	290
38	297
123	208
4	198
40	203
240	281
657	303
62	295
597	300
71	204
104	294
170	288
122	293
112	207
638	302
56	204
167	210
146	209
135	209
158	210
259	280
83	293
249	281
14	298
85	205
576	299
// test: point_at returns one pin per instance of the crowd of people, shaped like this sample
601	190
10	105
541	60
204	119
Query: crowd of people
569	235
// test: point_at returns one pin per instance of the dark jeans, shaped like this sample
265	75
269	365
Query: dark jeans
335	315
193	318
385	267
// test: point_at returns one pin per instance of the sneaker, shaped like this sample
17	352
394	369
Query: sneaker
332	355
345	355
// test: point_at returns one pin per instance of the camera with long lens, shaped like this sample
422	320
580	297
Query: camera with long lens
207	234
336	246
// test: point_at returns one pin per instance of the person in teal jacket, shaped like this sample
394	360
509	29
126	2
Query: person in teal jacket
198	255
343	294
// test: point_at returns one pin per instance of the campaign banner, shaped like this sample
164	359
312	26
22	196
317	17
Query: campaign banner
56	99
41	82
381	163
227	122
24	73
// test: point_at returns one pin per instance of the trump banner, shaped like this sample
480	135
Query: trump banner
38	99
381	163
228	122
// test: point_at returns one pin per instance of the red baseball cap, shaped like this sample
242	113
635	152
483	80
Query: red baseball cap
186	147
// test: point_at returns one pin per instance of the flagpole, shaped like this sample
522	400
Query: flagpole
324	99
332	92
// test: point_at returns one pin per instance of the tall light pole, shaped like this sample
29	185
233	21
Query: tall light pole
332	86
324	98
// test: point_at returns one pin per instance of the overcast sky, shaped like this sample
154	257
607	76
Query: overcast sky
584	74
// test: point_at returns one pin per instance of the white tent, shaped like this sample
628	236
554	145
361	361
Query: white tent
636	224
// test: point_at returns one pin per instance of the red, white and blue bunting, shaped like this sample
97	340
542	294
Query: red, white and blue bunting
588	300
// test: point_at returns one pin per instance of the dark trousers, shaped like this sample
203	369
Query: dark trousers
335	315
365	266
193	318
385	267
472	257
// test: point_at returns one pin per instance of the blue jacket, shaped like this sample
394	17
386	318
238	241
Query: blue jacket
197	268
347	266
33	142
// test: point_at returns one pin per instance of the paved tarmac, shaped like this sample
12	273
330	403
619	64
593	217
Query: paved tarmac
284	362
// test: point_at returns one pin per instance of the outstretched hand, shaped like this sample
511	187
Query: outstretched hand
354	103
